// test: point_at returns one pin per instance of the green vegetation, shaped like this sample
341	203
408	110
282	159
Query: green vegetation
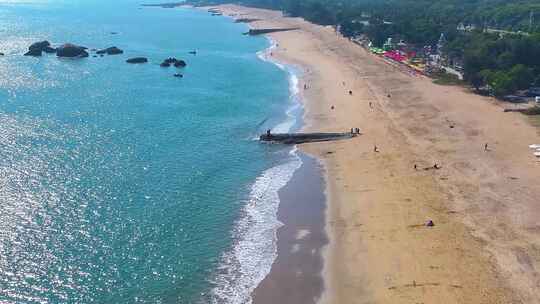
496	41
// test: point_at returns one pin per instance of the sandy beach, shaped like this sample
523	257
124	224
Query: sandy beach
485	245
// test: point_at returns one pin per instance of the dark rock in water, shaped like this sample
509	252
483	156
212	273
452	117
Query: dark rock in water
137	60
36	49
101	55
71	51
177	63
180	64
49	50
170	60
193	52
178	75
114	33
110	51
1	54
95	56
39	45
34	52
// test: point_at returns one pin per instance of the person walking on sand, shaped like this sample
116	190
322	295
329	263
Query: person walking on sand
375	149
486	147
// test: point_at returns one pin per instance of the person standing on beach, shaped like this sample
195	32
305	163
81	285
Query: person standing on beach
486	147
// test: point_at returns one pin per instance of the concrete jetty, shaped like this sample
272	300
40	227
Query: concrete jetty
254	32
246	20
300	138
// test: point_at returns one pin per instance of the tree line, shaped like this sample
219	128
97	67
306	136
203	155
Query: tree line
506	61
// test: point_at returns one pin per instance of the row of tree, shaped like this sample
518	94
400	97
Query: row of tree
505	62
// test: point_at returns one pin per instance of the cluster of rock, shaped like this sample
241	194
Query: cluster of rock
74	51
37	49
71	51
173	61
66	50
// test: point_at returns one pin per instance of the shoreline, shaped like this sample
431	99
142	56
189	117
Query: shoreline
295	276
483	203
298	246
297	271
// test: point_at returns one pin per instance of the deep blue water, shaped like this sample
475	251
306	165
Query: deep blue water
121	183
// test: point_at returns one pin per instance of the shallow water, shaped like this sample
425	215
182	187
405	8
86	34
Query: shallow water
121	183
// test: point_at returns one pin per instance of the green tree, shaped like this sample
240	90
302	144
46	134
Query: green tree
521	77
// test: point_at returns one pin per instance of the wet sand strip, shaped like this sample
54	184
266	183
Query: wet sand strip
296	276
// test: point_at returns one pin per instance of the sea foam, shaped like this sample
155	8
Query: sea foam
250	260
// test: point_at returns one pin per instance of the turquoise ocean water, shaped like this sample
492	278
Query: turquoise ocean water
123	184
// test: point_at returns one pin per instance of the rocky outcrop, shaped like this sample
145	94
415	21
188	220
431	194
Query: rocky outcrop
180	64
173	61
110	51
36	49
137	60
71	51
49	50
34	53
1	54
39	45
